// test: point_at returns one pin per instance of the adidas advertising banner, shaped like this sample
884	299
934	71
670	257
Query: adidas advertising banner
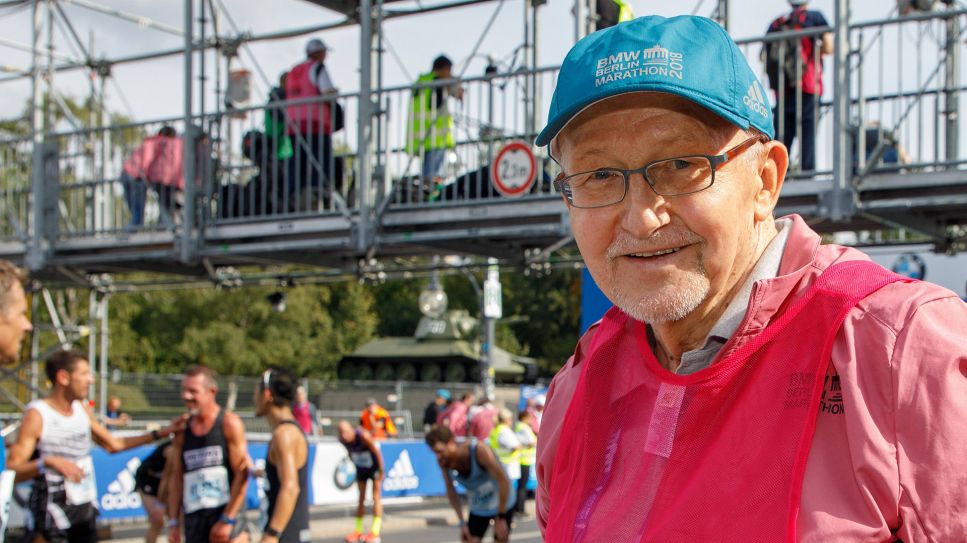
411	471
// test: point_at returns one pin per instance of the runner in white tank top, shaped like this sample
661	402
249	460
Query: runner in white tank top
53	449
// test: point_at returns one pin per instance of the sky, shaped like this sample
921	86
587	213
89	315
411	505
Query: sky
153	89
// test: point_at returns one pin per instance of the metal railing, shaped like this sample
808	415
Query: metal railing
903	88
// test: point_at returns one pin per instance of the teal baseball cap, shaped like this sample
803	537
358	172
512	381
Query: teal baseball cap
689	56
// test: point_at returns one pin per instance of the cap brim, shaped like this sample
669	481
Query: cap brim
554	128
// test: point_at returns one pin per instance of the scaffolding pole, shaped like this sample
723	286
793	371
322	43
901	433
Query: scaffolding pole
837	205
188	215
364	124
951	84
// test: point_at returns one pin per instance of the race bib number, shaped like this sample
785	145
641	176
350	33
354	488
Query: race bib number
362	459
484	497
206	488
85	490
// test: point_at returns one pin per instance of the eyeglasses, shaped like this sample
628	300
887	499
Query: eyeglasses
667	177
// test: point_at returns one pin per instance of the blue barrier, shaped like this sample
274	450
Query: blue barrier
411	470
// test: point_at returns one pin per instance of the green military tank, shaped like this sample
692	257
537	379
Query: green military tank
442	349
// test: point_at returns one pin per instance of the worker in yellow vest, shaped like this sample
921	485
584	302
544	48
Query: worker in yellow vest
612	12
528	456
430	131
504	442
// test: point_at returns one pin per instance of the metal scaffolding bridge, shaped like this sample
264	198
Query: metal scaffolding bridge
364	209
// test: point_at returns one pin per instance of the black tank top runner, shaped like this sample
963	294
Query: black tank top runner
360	454
298	525
212	450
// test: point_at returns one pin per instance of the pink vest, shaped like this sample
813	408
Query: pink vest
158	160
718	455
311	118
300	412
455	416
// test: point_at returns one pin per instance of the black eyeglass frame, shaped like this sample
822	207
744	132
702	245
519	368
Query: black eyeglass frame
715	161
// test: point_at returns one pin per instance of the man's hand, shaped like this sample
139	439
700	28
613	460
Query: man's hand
464	534
174	534
221	533
65	467
269	539
501	529
177	425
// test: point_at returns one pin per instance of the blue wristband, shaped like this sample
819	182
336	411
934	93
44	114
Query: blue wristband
225	519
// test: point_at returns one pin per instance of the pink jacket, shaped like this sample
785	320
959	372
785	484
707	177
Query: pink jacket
888	456
158	160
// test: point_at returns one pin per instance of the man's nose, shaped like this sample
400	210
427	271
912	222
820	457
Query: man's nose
644	210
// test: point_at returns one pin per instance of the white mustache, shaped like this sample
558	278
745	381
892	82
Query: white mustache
662	239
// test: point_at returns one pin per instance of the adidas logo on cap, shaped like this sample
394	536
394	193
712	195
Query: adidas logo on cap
753	98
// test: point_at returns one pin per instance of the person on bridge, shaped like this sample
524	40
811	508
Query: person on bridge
751	381
430	130
158	161
801	68
53	449
368	460
286	462
311	123
377	421
209	466
475	466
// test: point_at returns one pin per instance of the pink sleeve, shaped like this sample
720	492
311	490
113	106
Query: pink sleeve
134	165
558	399
930	364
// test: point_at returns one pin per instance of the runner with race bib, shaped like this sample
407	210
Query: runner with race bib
209	471
53	449
476	467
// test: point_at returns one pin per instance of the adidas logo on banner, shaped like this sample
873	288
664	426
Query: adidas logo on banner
401	476
753	98
121	493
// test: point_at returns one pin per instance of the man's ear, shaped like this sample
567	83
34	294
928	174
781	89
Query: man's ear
772	173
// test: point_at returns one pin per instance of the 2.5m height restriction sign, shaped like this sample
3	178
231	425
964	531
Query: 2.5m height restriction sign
514	169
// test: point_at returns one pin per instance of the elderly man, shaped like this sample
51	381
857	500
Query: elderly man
751	383
14	323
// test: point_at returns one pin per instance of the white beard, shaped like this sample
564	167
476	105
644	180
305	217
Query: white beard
669	299
667	302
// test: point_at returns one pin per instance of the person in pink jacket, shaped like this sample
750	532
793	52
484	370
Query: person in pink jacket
751	383
158	161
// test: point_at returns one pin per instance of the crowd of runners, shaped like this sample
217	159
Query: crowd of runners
193	484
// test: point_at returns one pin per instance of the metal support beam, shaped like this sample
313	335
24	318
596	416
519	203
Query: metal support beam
190	151
102	308
364	126
35	256
837	203
951	82
722	14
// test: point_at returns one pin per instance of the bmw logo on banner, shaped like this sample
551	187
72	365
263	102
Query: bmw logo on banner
910	265
345	474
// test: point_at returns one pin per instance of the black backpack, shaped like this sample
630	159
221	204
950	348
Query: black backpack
784	55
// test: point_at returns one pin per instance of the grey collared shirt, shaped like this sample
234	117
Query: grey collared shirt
728	323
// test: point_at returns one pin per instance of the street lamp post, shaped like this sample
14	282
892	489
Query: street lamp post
492	310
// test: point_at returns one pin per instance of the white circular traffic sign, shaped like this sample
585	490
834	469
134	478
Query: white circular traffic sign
514	169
